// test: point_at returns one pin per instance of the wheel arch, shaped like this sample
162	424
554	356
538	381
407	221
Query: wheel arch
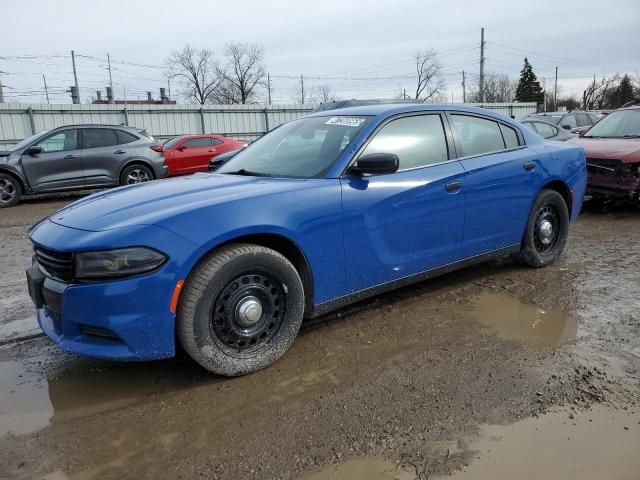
563	189
18	177
281	244
136	161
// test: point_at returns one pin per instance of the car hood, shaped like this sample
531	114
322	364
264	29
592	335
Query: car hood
626	150
151	203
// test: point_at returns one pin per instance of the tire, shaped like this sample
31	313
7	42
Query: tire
10	190
218	323
136	173
541	244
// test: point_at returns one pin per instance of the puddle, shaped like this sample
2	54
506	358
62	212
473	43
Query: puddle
516	320
364	468
29	402
592	446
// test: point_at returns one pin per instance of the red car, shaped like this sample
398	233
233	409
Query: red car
612	148
191	153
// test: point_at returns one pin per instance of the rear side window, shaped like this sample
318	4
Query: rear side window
98	137
198	142
60	142
125	137
477	135
215	141
510	136
417	141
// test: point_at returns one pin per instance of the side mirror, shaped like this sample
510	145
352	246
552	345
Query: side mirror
34	150
376	163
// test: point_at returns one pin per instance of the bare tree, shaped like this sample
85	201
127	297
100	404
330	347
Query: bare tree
196	71
598	94
242	73
323	94
498	88
430	82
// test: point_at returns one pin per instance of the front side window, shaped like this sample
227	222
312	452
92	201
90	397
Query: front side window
99	137
198	142
477	135
60	142
546	131
583	120
418	141
569	121
304	148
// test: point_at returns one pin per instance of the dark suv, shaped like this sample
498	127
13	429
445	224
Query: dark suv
575	121
77	157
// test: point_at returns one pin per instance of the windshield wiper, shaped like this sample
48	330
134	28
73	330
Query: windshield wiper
248	173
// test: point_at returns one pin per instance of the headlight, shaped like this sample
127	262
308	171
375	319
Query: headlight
121	262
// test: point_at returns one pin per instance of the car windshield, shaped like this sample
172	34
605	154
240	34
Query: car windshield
304	148
27	141
619	124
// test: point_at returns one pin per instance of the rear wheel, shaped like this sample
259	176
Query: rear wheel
10	191
136	174
547	230
240	310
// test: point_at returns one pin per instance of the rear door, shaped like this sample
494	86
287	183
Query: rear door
500	180
59	166
406	222
104	152
194	154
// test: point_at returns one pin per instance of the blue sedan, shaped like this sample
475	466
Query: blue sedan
321	212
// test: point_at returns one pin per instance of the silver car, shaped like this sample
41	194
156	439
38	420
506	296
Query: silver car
77	157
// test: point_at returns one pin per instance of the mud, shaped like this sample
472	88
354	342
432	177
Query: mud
417	383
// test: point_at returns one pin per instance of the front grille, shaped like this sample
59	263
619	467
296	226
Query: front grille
58	265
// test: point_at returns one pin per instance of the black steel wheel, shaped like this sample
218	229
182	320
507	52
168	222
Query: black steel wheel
240	309
248	312
547	230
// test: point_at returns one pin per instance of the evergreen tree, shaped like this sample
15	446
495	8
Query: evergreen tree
624	92
528	89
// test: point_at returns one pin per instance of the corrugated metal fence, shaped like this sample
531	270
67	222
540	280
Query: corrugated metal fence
18	121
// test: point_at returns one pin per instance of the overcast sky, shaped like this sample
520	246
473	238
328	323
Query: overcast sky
355	45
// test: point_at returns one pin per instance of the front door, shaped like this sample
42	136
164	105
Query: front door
406	222
59	166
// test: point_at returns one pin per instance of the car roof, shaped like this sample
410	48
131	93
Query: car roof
387	110
537	120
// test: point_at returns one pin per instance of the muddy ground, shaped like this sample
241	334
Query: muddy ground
496	371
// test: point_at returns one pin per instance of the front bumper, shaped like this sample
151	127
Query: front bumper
125	319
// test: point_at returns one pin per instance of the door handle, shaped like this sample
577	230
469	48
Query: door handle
212	151
120	151
69	157
453	187
529	166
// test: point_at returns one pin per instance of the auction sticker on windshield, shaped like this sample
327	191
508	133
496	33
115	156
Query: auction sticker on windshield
346	121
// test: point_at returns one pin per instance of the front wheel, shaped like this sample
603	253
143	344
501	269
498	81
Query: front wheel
10	191
547	230
240	310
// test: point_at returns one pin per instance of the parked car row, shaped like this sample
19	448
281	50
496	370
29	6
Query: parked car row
77	157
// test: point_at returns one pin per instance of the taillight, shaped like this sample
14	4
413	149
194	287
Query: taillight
157	148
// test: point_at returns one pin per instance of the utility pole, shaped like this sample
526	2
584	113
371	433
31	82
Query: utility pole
481	65
1	94
46	90
555	92
76	98
404	93
464	89
169	88
302	88
269	88
124	92
109	68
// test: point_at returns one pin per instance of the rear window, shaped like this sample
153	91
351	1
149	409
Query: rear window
125	137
